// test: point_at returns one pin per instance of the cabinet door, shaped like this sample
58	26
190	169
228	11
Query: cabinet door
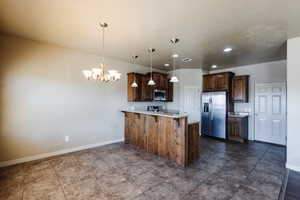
234	128
147	90
134	94
240	89
237	129
169	91
208	83
157	79
221	82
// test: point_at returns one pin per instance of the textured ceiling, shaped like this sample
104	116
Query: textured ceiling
257	30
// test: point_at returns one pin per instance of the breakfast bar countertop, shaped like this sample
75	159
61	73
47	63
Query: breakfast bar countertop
160	113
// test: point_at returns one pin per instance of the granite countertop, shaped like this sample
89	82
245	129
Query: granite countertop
162	113
238	114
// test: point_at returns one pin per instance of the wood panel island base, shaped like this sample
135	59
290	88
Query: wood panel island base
164	134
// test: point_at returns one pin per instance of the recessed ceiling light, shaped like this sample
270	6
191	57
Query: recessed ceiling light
167	65
214	66
227	49
187	59
175	55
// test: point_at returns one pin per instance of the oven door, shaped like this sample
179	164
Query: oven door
159	95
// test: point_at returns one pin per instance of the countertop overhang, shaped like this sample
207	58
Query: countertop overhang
161	114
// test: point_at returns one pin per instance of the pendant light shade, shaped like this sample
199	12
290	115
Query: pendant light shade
134	85
174	79
151	81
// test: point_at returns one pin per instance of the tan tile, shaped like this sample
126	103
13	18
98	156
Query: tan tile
84	190
43	189
72	175
85	158
146	180
39	175
12	193
110	179
37	165
124	190
10	176
63	162
101	166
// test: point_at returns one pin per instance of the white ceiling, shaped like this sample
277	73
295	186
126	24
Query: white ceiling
256	29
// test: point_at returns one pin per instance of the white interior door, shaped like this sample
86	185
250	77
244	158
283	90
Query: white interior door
270	113
191	103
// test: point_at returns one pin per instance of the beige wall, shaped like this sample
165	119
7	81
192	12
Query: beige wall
187	78
293	104
259	73
44	97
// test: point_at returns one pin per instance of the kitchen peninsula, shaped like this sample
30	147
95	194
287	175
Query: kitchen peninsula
164	134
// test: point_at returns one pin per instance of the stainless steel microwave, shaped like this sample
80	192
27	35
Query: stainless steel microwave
159	95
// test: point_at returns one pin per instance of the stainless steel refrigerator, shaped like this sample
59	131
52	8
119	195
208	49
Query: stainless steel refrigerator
214	114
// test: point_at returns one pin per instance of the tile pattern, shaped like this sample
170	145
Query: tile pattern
224	170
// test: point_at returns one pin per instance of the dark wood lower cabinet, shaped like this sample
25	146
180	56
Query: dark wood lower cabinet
164	136
238	129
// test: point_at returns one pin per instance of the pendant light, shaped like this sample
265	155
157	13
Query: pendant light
174	41
151	81
134	84
101	73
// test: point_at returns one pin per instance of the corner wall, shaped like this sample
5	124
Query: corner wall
188	79
293	104
44	97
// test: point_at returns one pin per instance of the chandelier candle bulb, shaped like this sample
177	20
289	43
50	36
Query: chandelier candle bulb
87	74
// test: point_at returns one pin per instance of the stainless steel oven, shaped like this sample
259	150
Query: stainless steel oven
159	95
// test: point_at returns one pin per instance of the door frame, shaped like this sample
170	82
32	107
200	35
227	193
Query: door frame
254	106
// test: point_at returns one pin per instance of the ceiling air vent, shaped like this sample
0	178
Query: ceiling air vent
186	60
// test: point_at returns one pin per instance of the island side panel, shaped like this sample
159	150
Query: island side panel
180	138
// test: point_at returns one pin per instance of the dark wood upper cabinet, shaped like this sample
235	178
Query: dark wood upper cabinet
217	82
208	83
134	94
144	92
240	89
169	90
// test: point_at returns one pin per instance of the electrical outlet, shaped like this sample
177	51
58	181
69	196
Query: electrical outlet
67	138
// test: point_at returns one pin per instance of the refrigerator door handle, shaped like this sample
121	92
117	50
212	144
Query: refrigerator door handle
211	110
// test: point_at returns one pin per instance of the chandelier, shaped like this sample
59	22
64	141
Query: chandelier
101	73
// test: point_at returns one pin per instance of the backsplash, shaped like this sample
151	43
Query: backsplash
143	105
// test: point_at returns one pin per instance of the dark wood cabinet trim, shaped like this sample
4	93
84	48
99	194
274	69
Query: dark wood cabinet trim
144	92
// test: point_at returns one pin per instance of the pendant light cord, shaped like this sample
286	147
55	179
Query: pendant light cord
173	59
151	64
103	44
134	80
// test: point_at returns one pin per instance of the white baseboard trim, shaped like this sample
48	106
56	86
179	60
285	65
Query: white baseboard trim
294	168
55	153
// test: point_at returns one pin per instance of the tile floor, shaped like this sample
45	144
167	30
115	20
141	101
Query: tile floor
223	171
